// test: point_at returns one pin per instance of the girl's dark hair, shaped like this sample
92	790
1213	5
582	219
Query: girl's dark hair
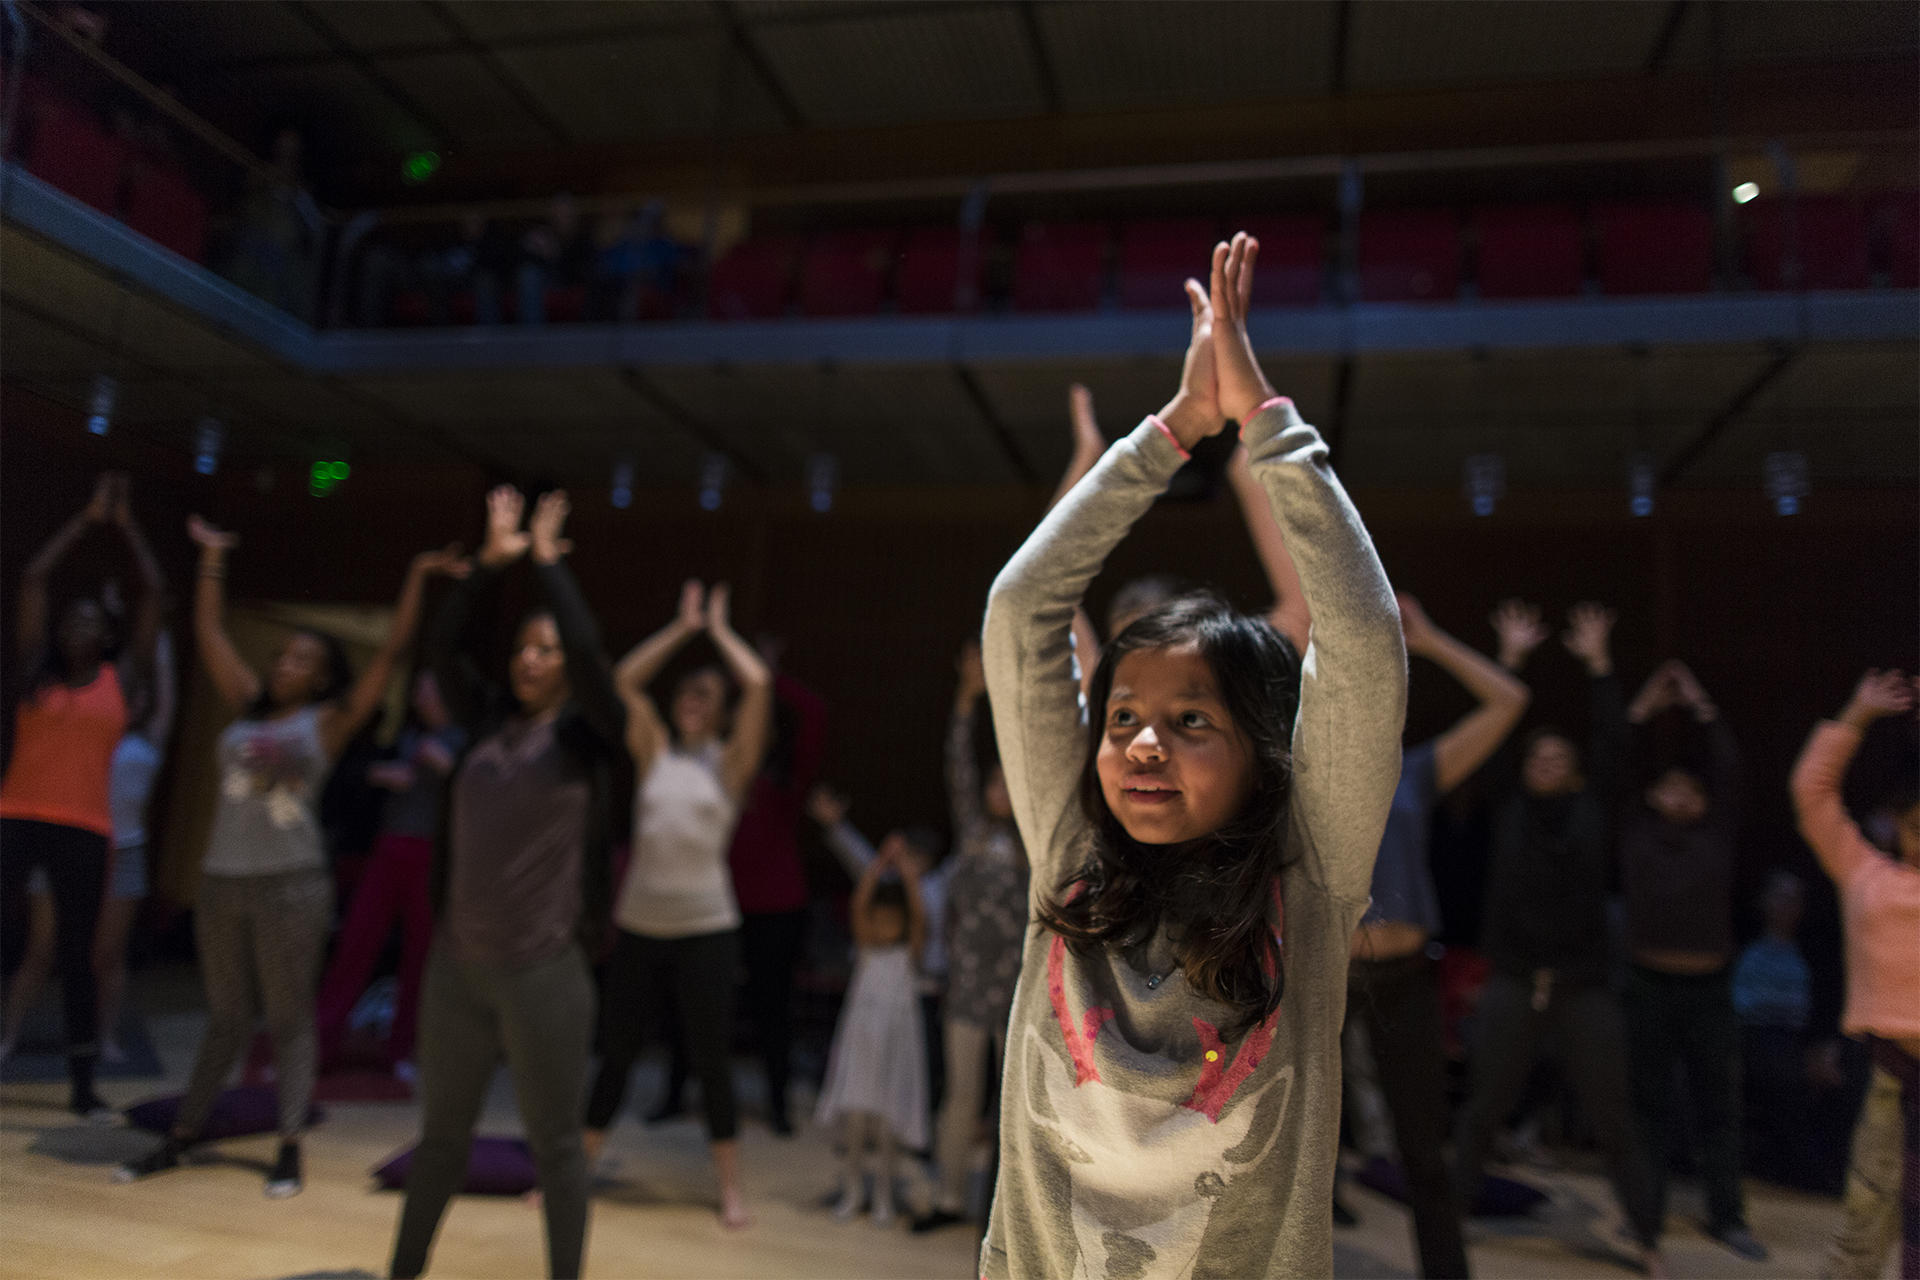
339	674
52	667
1214	895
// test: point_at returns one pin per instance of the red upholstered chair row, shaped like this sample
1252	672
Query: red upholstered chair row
68	147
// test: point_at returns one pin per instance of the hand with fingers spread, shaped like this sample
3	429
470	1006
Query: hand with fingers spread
1520	631
447	562
1879	694
1242	387
827	806
1589	627
692	613
506	540
543	530
1660	692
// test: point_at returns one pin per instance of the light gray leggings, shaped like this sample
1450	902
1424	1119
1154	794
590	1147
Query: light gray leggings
261	941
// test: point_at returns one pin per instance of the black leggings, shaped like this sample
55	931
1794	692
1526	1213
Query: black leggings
698	974
76	866
1398	1001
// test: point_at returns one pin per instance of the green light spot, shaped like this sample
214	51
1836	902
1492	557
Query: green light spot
319	473
420	166
338	470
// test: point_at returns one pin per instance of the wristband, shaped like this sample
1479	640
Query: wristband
1167	431
1265	405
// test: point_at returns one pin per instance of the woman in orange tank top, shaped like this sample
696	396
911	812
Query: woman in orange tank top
70	712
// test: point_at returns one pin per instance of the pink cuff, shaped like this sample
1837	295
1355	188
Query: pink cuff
1268	404
1166	431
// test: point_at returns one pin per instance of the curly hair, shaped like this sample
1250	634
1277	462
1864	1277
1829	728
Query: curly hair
1213	895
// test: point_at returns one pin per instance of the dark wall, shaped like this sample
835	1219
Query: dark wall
1777	616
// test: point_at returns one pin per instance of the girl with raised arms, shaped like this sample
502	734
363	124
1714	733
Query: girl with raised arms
1201	850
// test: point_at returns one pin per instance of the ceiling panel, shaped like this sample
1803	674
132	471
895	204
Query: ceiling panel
1142	53
351	105
905	68
459	89
1441	41
219	30
508	20
642	87
373	25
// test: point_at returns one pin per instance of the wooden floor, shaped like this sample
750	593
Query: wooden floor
62	1215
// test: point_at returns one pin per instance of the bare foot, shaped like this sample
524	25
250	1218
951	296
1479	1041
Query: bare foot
733	1210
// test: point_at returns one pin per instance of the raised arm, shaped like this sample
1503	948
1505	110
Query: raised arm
829	809
916	908
746	745
1289	615
1089	442
30	613
1030	609
588	674
1502	697
863	899
646	731
1723	753
340	722
137	662
1589	637
1353	674
1824	822
237	683
963	769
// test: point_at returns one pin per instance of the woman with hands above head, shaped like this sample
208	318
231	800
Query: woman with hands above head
73	700
1880	917
266	896
1545	933
520	883
678	922
1201	850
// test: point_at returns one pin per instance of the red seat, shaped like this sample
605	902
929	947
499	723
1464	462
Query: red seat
1293	258
845	273
164	206
1059	266
1831	242
410	307
753	280
927	278
1530	251
1409	255
71	150
1895	217
1157	257
1654	248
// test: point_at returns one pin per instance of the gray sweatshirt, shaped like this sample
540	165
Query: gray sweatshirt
1133	1141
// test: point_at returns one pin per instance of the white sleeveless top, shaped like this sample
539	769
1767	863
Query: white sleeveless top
677	883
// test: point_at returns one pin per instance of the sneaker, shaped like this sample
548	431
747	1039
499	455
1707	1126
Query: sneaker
92	1108
849	1202
162	1158
934	1221
284	1181
1742	1242
883	1212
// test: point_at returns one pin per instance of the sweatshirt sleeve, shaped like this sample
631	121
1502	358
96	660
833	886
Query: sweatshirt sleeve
1815	786
1353	676
1027	644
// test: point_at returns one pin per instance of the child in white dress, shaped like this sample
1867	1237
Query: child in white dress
876	1082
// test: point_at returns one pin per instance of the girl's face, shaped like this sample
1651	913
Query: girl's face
299	671
538	670
699	706
889	924
1173	766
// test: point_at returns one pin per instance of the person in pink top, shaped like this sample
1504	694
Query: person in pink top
1880	907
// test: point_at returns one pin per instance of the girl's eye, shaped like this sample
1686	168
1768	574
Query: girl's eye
1192	720
1120	718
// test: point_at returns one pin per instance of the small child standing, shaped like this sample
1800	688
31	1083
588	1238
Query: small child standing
876	1082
